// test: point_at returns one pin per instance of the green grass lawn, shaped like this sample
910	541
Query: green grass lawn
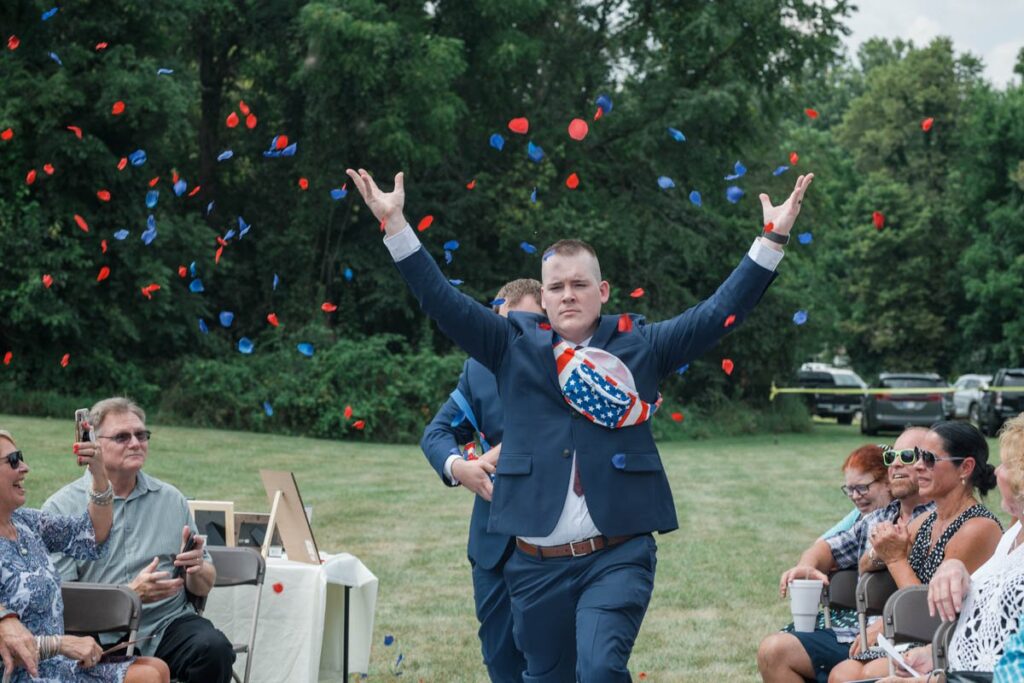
747	507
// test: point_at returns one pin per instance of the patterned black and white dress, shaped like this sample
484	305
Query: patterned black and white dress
30	586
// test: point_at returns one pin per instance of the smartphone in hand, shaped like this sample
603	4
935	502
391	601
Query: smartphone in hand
190	544
83	430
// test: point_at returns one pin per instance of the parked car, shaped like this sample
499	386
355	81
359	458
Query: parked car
967	397
821	376
998	406
896	411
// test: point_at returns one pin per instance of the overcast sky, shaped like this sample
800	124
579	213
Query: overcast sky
990	29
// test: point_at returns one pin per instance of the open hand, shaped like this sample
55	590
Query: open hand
153	586
18	646
386	206
947	589
783	216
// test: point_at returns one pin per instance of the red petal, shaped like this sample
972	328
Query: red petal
520	125
282	142
174	176
677	417
182	271
727	366
216	257
544	326
348	412
926	125
637	293
572	182
221	241
13	42
328	307
303	184
7	134
47	281
359	424
811	113
48	169
272	319
878	218
730	320
243	107
278	587
118	108
625	323
65	360
599	113
195	191
30	177
7	357
103	246
471	184
103	274
232	120
104	195
769	227
250	121
578	129
425	223
102	46
81	223
794	158
76	130
122	163
154	180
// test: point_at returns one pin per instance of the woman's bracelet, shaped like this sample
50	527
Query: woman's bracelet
48	646
104	498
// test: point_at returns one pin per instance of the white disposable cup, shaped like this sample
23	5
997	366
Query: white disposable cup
804	598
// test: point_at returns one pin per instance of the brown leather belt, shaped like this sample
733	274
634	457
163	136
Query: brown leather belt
575	549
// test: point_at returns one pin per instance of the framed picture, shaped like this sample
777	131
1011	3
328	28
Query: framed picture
215	519
251	531
288	517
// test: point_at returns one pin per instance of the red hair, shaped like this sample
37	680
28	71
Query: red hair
866	459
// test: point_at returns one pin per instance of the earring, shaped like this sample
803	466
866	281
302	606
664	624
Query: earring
963	482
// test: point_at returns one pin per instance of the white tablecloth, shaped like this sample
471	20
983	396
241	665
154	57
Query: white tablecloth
300	636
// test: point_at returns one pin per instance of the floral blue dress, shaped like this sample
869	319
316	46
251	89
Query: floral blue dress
30	586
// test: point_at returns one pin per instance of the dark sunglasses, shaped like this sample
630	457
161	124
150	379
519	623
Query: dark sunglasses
126	437
909	456
13	458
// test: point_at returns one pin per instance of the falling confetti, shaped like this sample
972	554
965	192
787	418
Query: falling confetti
677	417
780	170
328	307
695	198
47	280
225	155
637	293
7	134
738	171
926	125
8	357
528	248
81	223
117	108
604	104
573	181
245	345
269	410
534	152
232	120
665	183
805	238
811	113
203	327
471	185
13	42
425	223
278	587
800	317
676	135
625	323
578	129
121	235
519	125
272	319
682	369
226	318
337	193
734	194
878	218
49	13
196	286
794	158
730	320
497	142
727	366
103	195
347	412
359	424
306	349
303	184
65	360
103	274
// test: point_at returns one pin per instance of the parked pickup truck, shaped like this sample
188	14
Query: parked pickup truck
999	406
825	377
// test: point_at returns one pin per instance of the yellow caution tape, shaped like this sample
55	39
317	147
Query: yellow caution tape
898	391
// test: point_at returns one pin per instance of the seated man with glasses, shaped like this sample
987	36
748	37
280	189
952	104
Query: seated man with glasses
151	524
786	655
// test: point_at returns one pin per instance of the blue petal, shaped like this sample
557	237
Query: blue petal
348	274
243	227
54	57
528	248
277	281
447	256
533	196
192	269
151	222
49	13
800	317
497	142
780	170
226	318
229	235
665	183
805	238
148	236
338	193
268	409
138	157
496	302
245	345
451	245
695	198
180	187
196	286
152	197
121	235
739	170
389	640
535	152
677	135
605	102
202	327
682	369
456	282
164	72
290	150
306	349
209	208
619	461
734	194
225	155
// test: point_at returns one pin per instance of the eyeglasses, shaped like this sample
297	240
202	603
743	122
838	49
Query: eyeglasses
126	437
908	456
13	458
858	489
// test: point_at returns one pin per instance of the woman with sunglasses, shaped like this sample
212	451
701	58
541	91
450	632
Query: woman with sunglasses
30	585
951	464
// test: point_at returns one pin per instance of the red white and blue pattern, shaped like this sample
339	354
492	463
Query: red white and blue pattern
595	394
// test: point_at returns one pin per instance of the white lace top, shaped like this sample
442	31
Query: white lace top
990	612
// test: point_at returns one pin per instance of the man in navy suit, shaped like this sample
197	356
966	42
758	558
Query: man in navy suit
474	407
579	481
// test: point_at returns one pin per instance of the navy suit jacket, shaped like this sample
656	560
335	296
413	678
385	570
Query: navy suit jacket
625	495
477	384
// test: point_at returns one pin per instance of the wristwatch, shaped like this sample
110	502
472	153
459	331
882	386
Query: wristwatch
773	236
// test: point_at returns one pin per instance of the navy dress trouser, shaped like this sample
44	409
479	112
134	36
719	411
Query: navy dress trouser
504	661
576	618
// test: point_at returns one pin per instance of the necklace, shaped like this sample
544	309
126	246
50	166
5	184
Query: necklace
16	540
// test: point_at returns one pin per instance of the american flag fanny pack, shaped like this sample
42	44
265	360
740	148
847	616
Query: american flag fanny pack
600	387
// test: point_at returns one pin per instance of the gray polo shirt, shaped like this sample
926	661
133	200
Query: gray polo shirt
147	524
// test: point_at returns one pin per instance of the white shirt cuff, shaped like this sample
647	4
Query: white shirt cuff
451	459
402	244
760	253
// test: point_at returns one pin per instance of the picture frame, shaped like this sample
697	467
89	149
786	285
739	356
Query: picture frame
214	519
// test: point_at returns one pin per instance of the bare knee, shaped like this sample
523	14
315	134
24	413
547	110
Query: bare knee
780	656
148	670
849	670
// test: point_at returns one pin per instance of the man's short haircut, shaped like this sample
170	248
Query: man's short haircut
867	459
514	292
118	405
571	248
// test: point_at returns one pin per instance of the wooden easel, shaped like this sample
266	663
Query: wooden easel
271	524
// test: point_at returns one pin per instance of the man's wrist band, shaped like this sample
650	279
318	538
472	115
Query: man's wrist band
773	236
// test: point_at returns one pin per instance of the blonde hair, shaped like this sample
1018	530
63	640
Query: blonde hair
515	291
4	434
118	405
1011	453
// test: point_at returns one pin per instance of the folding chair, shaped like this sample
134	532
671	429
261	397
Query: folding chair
91	608
241	567
841	593
940	645
873	589
906	617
